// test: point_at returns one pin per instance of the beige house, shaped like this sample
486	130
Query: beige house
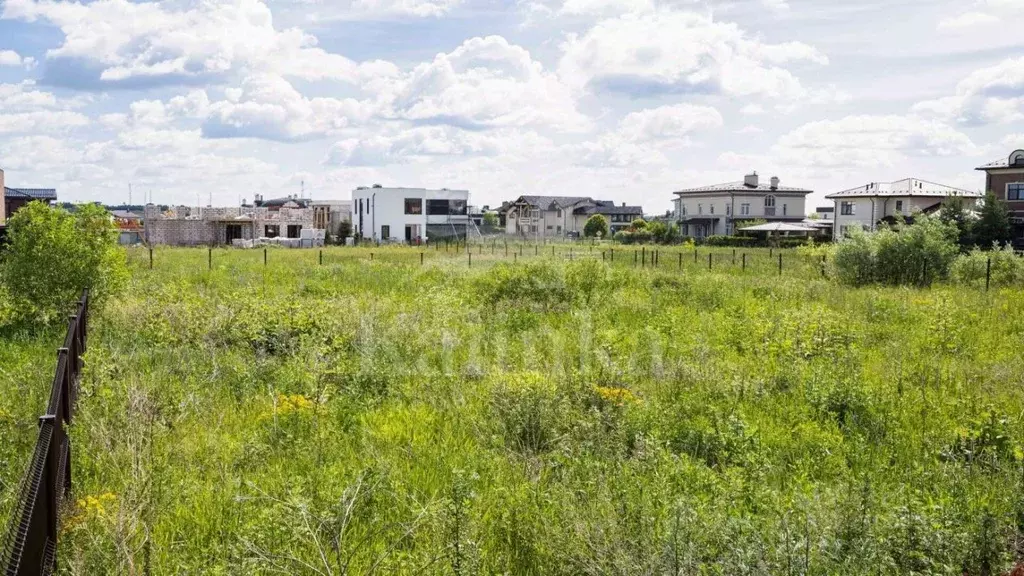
714	210
559	216
865	206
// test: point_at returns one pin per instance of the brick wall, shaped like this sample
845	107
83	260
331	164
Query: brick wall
997	183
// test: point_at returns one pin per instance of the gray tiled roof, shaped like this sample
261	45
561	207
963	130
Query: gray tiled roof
34	193
545	202
739	186
604	208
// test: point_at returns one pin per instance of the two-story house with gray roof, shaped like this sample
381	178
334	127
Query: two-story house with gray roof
714	210
560	216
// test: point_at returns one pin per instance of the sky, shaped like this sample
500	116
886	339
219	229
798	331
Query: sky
200	101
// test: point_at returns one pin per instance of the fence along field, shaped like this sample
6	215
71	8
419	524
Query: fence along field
543	415
29	544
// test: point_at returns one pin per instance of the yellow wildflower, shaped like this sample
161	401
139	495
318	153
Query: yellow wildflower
293	404
617	396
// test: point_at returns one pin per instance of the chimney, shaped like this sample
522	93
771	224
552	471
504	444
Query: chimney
3	200
623	204
750	180
775	182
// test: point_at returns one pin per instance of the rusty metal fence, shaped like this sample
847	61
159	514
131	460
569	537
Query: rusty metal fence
30	544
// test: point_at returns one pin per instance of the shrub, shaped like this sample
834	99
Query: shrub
54	255
1007	267
731	241
597	225
587	279
526	406
915	253
641	236
533	283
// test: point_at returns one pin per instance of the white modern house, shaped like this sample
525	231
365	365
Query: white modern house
714	210
865	206
410	214
557	216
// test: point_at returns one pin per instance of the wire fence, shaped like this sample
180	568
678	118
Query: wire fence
29	545
753	261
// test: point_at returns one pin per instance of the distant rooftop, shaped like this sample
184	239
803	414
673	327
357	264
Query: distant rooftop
1015	160
905	187
750	183
33	193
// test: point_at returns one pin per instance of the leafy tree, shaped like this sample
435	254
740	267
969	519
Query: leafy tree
906	254
344	231
491	219
954	212
54	255
597	225
993	224
639	224
658	231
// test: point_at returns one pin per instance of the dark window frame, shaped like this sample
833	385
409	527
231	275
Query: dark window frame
414	206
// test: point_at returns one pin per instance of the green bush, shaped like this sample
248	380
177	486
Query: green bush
54	255
526	407
1007	267
534	283
638	236
908	254
597	225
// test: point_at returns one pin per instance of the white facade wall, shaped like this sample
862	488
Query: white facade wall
870	209
379	213
729	208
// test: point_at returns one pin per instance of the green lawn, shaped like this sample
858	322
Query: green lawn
558	415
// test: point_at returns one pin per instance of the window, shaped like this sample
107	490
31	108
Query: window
360	206
728	210
711	209
414	206
899	205
745	209
271	231
1015	191
847	208
700	208
783	209
682	209
559	229
769	201
559	213
550	226
437	207
385	232
294	230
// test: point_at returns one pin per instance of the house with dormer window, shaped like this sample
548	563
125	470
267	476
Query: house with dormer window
714	210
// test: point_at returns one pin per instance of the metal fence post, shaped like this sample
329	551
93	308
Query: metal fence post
421	258
680	260
780	264
150	257
264	257
744	261
709	260
470	254
988	272
321	257
209	259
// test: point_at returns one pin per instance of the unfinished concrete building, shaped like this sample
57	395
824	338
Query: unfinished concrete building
198	226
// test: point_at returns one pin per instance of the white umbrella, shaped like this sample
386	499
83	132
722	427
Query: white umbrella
777	227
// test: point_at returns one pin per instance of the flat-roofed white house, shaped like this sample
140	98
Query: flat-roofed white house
714	210
865	206
410	214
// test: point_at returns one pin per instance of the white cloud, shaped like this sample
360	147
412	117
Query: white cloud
752	110
867	141
668	122
41	121
983	13
776	5
269	107
486	82
966	20
422	143
9	58
750	129
988	95
121	43
681	52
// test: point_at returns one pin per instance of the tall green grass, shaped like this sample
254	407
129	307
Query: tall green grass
558	415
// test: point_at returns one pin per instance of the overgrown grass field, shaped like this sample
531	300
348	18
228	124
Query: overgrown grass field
554	415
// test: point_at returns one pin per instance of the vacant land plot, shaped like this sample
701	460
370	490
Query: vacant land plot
556	415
